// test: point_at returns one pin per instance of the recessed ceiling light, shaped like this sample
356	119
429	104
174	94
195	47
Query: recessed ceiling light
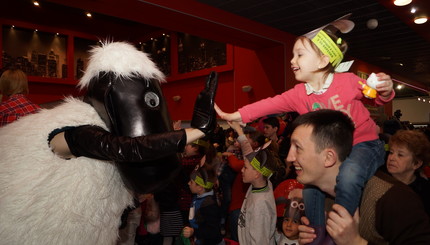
36	3
413	10
89	15
399	86
420	20
402	2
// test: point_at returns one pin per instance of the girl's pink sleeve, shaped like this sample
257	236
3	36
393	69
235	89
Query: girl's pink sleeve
273	105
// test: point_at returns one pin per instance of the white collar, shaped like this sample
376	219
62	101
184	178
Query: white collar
310	90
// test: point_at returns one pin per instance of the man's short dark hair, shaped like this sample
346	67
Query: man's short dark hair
330	129
272	121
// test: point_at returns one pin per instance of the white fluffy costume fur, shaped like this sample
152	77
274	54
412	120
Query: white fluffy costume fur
48	200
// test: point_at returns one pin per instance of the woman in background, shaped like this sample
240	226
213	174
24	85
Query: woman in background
14	84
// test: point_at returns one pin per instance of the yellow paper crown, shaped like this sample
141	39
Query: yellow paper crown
200	142
201	182
262	170
328	47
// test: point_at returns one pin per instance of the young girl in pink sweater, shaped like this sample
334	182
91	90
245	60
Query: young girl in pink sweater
315	56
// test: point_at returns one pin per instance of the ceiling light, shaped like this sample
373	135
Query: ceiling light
36	3
402	2
89	15
399	86
413	10
420	20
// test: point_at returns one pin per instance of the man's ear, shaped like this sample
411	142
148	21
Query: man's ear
330	157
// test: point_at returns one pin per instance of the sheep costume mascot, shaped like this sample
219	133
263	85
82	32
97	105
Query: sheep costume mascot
45	199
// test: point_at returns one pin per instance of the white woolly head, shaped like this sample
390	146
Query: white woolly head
121	58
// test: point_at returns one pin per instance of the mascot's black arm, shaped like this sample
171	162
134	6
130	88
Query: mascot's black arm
95	142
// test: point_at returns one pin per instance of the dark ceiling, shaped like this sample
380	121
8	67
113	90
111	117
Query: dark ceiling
396	44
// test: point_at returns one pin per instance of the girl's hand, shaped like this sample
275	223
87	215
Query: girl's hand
386	88
235	116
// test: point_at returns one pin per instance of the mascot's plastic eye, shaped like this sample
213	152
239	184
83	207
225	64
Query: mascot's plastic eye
152	100
294	204
302	206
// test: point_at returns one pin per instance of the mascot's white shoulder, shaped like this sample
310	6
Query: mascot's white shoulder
121	58
48	200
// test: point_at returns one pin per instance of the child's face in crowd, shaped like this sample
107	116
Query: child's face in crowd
248	172
305	61
190	150
290	228
194	187
269	131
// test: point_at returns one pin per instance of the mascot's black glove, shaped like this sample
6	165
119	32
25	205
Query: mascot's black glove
204	116
95	142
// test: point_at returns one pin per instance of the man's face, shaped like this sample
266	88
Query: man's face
308	163
269	131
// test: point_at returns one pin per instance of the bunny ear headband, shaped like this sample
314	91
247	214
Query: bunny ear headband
323	41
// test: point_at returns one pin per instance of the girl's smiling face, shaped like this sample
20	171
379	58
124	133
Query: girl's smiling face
306	61
290	228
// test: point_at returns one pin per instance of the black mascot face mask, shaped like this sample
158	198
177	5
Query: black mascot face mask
124	88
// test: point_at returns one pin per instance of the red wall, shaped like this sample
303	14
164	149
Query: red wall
262	69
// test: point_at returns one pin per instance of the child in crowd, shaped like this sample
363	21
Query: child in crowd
191	157
248	139
14	84
315	57
289	208
205	214
257	219
289	228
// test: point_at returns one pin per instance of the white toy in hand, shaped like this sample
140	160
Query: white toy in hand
369	89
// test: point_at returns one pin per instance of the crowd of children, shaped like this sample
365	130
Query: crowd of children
225	196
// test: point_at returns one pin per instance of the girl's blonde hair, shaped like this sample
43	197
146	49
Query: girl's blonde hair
13	81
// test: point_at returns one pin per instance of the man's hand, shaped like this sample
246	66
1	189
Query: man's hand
342	227
59	146
306	233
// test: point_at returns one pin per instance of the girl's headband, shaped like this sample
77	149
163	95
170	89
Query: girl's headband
323	41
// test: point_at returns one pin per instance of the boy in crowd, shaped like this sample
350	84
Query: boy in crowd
257	219
205	214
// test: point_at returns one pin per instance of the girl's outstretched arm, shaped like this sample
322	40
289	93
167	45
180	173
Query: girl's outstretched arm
233	117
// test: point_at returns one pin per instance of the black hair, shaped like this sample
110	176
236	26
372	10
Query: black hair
330	129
